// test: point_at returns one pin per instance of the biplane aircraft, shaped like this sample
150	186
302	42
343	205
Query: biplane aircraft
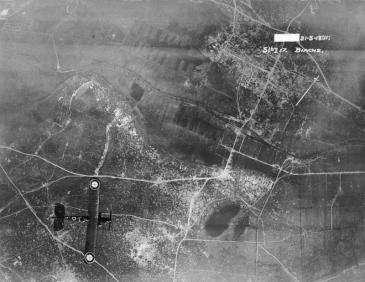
94	218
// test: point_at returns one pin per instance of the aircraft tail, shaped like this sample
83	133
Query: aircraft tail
59	211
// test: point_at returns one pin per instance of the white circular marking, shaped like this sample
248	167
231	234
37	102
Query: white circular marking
89	257
94	184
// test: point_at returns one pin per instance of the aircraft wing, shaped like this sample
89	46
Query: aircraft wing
93	213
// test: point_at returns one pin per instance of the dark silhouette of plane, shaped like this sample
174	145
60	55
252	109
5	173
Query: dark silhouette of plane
94	219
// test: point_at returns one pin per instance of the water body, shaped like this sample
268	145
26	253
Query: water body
219	220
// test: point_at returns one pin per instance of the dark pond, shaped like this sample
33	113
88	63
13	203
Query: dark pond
219	220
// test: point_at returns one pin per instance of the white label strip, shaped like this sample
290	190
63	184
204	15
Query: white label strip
286	37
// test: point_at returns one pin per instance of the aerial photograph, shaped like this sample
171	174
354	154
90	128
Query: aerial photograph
182	140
